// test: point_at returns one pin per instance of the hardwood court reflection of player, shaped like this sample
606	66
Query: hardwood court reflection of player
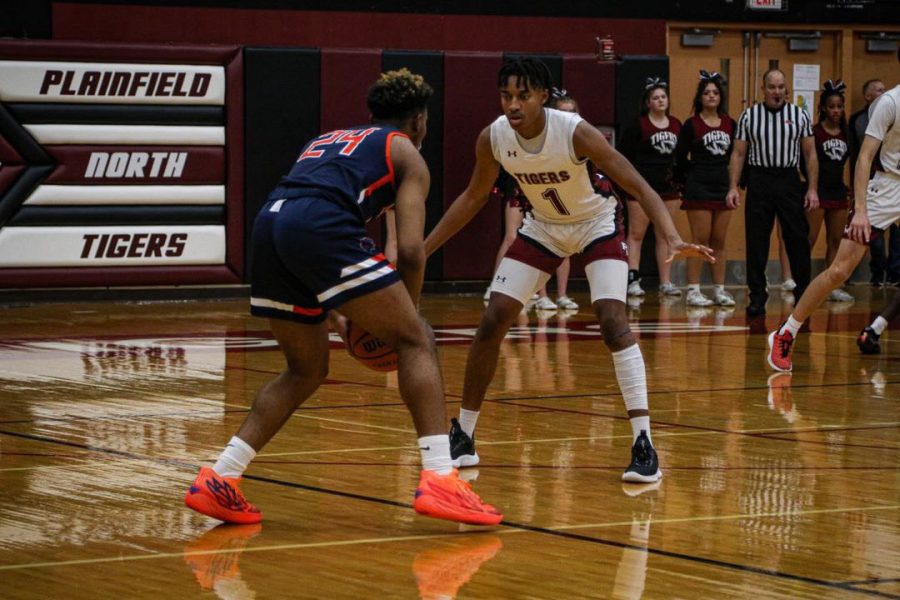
546	150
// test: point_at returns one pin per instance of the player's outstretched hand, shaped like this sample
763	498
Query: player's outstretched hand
683	249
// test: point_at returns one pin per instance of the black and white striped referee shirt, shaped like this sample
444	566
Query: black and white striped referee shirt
773	137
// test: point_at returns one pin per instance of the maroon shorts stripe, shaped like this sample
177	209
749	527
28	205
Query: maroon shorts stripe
704	205
843	204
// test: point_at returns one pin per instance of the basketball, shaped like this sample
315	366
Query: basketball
369	350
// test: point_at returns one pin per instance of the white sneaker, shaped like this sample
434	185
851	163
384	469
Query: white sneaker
696	298
635	289
839	295
487	294
545	303
669	289
566	303
723	298
788	285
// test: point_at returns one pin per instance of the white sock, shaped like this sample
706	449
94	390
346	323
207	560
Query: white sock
791	325
694	287
234	458
467	420
639	424
435	451
718	288
632	378
879	324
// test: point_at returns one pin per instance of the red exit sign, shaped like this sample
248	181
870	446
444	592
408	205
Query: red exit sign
766	4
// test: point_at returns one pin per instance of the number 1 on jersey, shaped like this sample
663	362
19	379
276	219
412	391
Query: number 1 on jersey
552	196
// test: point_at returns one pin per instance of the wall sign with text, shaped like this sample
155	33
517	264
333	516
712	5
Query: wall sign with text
120	165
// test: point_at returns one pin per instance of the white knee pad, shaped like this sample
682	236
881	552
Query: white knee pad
608	279
518	280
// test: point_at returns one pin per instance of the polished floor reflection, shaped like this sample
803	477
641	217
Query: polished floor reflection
775	486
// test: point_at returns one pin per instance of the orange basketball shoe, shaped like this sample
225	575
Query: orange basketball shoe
449	497
220	498
779	354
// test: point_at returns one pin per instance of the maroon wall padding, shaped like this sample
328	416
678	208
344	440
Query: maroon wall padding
593	85
8	175
234	145
324	29
8	154
204	165
346	76
471	103
105	50
122	276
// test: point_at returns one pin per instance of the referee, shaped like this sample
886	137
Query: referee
774	132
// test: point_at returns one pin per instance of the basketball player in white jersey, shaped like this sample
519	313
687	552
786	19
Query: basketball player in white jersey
546	151
876	207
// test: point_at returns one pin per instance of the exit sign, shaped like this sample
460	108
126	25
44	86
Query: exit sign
766	4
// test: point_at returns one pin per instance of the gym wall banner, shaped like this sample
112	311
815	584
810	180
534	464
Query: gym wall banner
120	165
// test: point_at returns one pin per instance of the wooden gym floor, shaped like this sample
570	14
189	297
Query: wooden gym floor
774	487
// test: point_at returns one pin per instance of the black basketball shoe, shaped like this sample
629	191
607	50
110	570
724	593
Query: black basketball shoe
644	467
462	447
868	341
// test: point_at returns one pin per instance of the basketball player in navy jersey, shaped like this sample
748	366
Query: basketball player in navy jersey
311	254
546	151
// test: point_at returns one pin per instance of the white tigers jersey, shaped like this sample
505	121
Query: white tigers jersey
884	125
555	181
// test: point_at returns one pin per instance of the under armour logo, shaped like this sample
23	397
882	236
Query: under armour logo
511	153
500	279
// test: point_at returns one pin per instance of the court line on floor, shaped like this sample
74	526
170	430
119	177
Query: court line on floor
562	531
518	526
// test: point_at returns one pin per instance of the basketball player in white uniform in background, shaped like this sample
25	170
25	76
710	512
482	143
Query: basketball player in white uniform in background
546	151
876	207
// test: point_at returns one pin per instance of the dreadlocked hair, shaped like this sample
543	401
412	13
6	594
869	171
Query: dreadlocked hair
398	95
831	88
528	71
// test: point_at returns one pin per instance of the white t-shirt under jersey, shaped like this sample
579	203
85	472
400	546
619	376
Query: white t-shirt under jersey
555	181
884	125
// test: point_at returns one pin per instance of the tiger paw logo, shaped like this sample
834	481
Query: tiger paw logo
664	142
835	149
717	142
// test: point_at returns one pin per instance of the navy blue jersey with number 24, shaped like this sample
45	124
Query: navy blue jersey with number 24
351	167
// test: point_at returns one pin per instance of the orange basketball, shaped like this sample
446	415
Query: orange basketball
369	350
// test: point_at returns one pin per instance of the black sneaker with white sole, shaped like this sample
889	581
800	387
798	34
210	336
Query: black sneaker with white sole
462	447
644	467
867	340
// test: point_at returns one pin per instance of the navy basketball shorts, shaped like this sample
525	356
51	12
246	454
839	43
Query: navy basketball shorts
310	255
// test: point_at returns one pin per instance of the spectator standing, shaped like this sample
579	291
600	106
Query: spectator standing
649	144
